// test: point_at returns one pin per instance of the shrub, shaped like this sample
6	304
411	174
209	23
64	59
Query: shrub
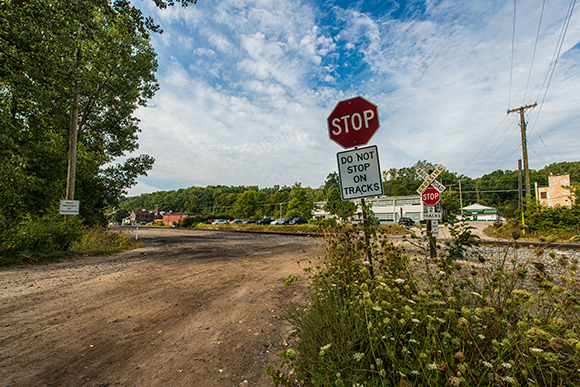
483	320
33	237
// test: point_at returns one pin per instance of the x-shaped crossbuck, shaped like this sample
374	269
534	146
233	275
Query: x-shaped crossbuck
429	179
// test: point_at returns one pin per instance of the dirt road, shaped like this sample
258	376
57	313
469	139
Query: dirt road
193	308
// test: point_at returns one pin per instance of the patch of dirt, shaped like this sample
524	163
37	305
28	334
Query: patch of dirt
193	308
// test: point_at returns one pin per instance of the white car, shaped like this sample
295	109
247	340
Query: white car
219	221
277	221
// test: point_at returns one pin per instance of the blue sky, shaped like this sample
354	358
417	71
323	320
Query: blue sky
246	87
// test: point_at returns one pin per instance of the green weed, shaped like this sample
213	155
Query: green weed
462	319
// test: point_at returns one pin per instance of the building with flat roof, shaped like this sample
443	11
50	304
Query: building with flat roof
556	193
387	209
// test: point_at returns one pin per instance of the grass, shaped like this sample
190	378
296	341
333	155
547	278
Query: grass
514	230
461	320
48	239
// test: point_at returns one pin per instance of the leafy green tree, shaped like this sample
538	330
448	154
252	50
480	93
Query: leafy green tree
246	205
192	204
300	204
86	65
336	206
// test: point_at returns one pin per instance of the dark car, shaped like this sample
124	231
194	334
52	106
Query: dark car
299	220
286	220
265	221
406	222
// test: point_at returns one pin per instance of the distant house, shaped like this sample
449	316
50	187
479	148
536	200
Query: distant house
175	217
557	193
140	217
478	212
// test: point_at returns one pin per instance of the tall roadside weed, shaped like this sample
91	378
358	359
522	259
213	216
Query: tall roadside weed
471	317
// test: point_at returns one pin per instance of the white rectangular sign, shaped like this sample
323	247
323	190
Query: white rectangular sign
432	215
69	207
360	173
434	228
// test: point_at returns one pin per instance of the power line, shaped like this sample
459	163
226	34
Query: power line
512	58
534	53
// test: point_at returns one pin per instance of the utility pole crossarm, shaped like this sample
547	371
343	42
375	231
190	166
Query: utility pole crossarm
522	108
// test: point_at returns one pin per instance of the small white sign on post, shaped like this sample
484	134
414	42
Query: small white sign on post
434	227
360	173
69	207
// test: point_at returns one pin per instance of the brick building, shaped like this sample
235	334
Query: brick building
556	193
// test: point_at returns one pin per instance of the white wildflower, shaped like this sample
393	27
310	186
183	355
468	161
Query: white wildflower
432	366
482	337
487	364
508	379
358	356
416	321
399	281
536	350
323	349
506	365
414	372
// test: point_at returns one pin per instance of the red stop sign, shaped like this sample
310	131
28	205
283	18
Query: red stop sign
353	122
431	196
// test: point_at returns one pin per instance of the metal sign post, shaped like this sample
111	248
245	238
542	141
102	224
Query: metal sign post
431	197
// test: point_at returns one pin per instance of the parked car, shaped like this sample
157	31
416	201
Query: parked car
253	221
278	222
406	222
237	221
299	220
220	221
264	221
286	220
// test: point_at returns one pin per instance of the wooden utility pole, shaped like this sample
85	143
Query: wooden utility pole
72	136
461	199
520	195
524	143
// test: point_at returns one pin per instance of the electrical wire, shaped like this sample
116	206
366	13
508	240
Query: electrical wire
495	148
552	68
534	53
480	149
512	57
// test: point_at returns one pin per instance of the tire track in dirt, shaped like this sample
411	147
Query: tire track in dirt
202	312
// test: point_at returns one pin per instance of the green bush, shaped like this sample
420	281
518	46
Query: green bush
98	241
479	321
190	221
40	240
33	237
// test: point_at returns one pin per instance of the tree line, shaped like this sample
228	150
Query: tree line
498	189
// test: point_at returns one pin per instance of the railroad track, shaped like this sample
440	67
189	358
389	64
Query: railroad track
555	245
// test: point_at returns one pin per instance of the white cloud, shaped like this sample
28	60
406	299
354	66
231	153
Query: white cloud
246	87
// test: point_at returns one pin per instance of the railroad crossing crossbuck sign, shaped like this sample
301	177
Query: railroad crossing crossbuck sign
430	179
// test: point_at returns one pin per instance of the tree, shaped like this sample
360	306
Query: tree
336	206
192	204
66	65
246	205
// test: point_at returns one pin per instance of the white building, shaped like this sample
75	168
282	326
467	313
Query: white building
387	209
478	212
